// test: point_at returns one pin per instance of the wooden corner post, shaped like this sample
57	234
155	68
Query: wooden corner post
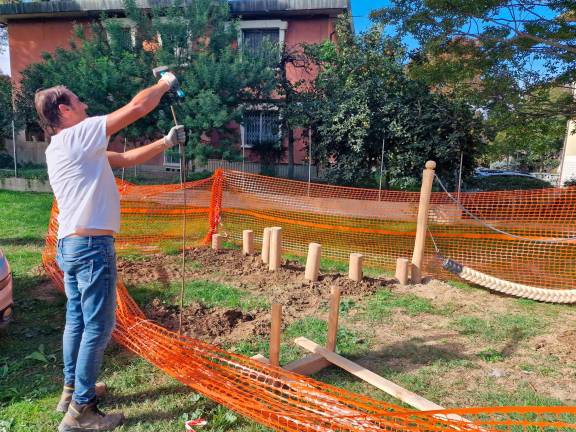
422	227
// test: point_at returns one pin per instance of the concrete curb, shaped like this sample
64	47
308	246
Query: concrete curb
25	185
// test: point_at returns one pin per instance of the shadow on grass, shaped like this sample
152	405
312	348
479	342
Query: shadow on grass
23	241
150	395
414	353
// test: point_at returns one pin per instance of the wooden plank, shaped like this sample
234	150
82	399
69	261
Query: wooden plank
383	384
308	365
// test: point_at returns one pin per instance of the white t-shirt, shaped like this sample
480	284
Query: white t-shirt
82	179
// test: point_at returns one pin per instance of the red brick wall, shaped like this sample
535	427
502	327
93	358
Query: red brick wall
28	39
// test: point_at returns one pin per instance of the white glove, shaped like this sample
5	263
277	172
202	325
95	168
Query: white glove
176	136
170	79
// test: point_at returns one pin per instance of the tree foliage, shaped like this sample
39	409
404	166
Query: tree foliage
362	97
503	56
498	44
6	113
110	65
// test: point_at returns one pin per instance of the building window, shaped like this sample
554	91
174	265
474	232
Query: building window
256	41
254	34
125	32
260	126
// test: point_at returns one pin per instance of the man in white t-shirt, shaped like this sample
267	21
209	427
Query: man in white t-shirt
80	173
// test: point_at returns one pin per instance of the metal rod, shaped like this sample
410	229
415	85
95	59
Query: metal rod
123	169
14	149
381	169
182	181
174	115
309	158
460	174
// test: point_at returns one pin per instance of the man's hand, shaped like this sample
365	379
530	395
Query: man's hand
170	80
176	136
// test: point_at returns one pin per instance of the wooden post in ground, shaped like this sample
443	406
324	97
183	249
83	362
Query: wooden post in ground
248	242
275	334
355	271
333	318
422	227
275	249
402	267
266	245
216	241
313	262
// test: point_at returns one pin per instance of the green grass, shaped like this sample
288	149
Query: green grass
500	328
381	305
209	293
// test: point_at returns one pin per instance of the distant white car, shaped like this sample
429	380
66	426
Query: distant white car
487	172
6	302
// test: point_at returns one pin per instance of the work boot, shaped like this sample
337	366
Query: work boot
88	418
68	391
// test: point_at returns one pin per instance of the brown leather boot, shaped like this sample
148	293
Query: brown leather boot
88	418
68	391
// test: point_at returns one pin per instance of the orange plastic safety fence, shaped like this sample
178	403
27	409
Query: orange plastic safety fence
382	226
344	220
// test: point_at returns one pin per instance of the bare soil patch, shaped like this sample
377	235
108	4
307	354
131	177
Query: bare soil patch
299	298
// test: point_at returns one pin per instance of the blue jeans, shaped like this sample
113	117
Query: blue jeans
89	266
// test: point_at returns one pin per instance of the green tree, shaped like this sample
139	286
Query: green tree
6	112
362	97
514	59
107	69
490	51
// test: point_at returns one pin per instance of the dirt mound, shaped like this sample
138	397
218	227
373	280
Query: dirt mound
298	297
214	325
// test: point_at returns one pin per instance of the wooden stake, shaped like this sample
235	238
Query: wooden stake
333	318
402	267
313	262
266	245
248	242
275	334
216	241
422	227
275	249
355	271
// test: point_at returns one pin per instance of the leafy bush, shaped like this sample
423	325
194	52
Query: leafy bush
495	183
6	161
570	182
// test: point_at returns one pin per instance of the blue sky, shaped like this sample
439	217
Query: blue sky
360	10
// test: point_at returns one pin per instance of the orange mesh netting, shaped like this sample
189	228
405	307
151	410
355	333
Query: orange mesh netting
344	220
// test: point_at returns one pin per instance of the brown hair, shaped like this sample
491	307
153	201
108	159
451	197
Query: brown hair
46	102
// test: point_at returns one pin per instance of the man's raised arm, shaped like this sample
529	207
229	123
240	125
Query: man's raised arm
140	105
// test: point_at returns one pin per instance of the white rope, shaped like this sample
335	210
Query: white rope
511	288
